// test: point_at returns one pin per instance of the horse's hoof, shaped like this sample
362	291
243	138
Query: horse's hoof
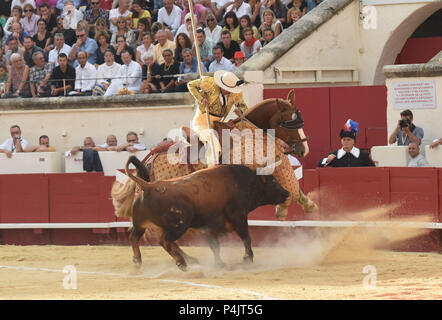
137	262
182	266
192	260
220	265
311	208
247	260
281	212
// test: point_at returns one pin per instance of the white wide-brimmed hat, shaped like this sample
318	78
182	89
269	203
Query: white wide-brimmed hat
228	81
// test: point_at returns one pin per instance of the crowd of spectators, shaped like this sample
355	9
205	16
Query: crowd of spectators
107	47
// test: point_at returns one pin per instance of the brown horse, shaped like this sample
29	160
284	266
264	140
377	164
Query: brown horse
277	114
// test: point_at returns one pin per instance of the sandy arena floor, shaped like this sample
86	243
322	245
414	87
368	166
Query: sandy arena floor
304	270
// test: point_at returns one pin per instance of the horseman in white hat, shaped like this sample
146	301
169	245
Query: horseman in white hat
217	94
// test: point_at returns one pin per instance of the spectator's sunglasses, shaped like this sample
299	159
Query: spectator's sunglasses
29	10
81	35
97	3
210	19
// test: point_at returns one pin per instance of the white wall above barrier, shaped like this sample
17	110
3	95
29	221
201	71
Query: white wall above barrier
390	156
31	162
434	156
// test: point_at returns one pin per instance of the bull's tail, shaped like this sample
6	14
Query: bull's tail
141	172
123	196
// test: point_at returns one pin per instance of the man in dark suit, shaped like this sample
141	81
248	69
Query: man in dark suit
348	155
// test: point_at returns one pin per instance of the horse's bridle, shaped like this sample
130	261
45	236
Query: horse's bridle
295	123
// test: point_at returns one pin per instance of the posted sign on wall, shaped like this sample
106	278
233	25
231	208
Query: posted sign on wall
414	95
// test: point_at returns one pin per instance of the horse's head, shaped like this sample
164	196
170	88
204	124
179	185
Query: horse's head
286	119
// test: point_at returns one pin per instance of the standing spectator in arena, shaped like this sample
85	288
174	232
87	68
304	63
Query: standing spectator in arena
121	11
270	21
43	145
166	70
85	75
198	9
150	68
293	15
106	73
30	49
189	65
205	47
142	28
17	15
123	30
63	77
219	62
120	47
267	36
131	76
14	144
29	22
69	34
406	132
102	39
60	47
250	45
170	15
84	43
416	158
94	13
39	76
229	46
147	46
18	72
245	22
133	144
182	42
46	15
300	4
240	8
239	59
139	13
42	38
231	23
163	43
212	29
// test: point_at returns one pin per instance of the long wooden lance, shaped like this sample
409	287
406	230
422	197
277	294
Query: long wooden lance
200	72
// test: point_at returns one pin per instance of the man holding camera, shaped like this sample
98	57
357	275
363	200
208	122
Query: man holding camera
14	144
406	132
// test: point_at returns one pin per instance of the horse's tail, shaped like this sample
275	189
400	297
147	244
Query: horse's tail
142	174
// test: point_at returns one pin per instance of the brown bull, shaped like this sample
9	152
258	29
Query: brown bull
216	200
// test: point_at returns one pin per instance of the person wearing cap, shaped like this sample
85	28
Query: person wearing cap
239	59
217	94
348	155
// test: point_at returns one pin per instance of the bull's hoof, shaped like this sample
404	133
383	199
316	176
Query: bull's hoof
182	266
281	212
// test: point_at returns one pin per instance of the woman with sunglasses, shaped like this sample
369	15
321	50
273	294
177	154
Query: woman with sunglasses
212	29
123	30
29	22
95	13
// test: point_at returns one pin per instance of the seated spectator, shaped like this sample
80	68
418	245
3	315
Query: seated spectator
239	59
229	46
59	47
435	143
94	13
131	81
250	45
30	49
91	159
16	16
3	78
18	73
13	48
102	39
17	33
163	43
143	27
219	62
22	3
170	15
139	13
293	15
63	77
50	18
84	43
3	37
267	36
240	8
150	68
69	34
166	70
348	155
123	30
205	47
42	38
182	42
416	158
279	9
189	65
121	11
29	22
120	48
269	21
101	25
212	29
110	145
39	76
147	46
85	75
14	144
106	73
43	145
406	132
198	9
256	6
245	22
71	16
133	144
185	28
231	24
299	4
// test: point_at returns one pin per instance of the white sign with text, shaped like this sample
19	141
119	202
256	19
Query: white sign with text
414	95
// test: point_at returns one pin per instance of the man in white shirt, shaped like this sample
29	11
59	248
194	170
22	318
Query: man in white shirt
60	47
85	75
416	158
131	73
240	8
220	62
133	144
14	144
122	10
170	15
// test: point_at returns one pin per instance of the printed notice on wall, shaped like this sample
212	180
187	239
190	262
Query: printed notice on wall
414	95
